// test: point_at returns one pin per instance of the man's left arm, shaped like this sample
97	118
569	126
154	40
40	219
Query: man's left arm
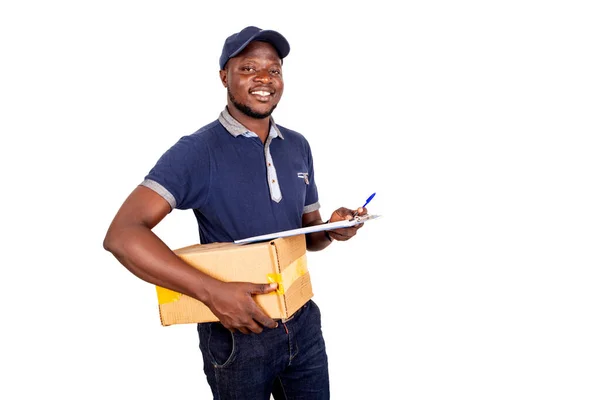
316	241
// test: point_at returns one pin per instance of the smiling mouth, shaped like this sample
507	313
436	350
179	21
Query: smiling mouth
262	96
261	93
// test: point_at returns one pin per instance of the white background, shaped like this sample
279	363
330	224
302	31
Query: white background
476	123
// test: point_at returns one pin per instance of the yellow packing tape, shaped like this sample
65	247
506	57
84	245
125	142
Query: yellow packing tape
276	278
294	271
166	296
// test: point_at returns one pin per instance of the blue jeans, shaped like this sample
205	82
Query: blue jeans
288	362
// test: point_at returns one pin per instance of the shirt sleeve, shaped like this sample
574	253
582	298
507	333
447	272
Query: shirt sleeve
182	174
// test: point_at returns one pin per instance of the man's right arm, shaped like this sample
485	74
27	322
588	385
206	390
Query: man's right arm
131	240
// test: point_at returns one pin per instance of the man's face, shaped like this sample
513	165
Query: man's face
254	80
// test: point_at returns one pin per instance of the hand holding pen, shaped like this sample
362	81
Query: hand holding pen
342	213
364	205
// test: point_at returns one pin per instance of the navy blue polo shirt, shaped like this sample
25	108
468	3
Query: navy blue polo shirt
237	186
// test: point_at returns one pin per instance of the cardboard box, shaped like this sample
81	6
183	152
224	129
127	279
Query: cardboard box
280	260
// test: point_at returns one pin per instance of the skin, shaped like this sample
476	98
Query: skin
130	237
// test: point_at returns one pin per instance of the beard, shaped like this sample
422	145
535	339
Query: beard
244	109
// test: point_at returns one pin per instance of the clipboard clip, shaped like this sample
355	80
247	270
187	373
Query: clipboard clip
367	217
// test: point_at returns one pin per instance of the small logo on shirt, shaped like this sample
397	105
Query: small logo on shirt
303	175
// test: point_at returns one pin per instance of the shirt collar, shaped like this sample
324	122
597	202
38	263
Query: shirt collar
235	128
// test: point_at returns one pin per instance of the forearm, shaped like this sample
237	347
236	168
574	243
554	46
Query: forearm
149	258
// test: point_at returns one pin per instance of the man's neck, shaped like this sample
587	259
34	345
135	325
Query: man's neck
258	126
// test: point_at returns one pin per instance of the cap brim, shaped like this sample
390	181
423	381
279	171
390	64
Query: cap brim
274	38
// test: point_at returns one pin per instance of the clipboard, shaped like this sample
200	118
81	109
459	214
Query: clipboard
309	229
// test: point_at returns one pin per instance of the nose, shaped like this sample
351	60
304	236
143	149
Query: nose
262	76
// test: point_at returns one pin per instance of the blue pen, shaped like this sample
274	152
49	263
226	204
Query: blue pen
364	205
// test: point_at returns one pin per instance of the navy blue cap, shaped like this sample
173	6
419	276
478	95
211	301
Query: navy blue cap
237	42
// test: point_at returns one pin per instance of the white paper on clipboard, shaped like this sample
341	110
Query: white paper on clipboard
315	228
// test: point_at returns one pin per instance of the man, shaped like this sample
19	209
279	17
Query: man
243	176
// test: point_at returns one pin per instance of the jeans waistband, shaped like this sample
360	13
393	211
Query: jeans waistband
298	312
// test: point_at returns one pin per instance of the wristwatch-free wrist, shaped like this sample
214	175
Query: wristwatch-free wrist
327	233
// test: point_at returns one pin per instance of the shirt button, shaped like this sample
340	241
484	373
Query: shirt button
273	181
269	164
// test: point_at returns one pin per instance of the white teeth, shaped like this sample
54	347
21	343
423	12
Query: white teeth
262	93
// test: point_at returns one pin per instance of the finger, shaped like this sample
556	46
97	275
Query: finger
360	211
261	317
254	327
258	314
243	330
345	232
265	321
262	288
342	213
351	232
227	325
338	237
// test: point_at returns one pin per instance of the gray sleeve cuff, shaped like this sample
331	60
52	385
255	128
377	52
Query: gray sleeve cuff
311	207
160	189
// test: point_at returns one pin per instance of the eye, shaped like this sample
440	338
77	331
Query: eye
276	72
248	68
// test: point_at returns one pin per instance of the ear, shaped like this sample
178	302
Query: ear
223	75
